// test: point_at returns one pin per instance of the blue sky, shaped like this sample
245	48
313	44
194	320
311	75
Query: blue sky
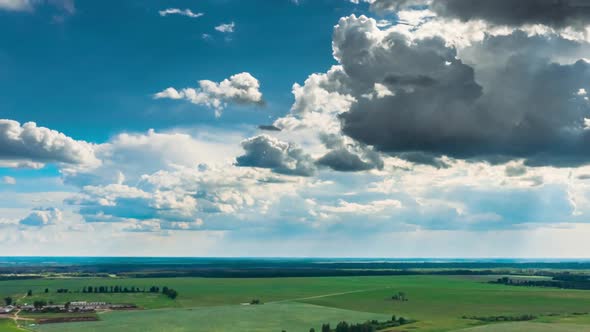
402	128
93	73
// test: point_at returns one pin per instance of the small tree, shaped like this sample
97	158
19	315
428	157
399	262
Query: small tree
172	294
46	290
8	300
30	293
402	296
326	328
312	330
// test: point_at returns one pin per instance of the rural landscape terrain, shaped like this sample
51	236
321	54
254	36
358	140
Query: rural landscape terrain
294	165
294	295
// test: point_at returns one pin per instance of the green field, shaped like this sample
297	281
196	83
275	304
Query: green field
7	325
262	318
296	304
529	327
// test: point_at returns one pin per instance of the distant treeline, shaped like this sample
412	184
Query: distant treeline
119	289
280	273
18	277
566	281
491	319
284	267
171	293
368	326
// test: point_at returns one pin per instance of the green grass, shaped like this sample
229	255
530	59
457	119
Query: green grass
289	316
56	315
193	291
529	327
437	302
7	325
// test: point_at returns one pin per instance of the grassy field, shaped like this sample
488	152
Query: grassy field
261	318
7	325
194	292
529	327
437	302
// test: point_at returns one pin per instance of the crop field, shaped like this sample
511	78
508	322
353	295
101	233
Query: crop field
529	327
7	325
437	303
262	318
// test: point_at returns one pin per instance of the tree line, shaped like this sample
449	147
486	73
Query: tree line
118	289
490	319
171	293
368	326
565	282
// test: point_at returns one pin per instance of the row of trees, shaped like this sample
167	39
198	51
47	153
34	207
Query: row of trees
119	289
490	319
108	289
566	282
171	293
368	326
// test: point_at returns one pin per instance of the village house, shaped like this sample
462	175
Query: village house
6	310
83	305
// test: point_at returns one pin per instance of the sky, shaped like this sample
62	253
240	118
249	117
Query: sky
308	128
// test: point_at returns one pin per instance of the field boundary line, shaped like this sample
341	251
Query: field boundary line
329	295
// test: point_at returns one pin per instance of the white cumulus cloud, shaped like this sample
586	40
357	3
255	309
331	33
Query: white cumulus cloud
8	180
226	27
28	143
15	5
176	11
42	217
242	89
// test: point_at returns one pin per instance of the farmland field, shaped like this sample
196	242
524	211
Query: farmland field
7	325
529	327
437	303
269	317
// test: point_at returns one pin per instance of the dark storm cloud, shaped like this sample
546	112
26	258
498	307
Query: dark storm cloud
267	152
394	5
344	161
348	157
419	80
423	159
515	170
521	105
555	13
269	128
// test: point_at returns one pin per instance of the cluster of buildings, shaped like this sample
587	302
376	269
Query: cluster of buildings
77	306
7	309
